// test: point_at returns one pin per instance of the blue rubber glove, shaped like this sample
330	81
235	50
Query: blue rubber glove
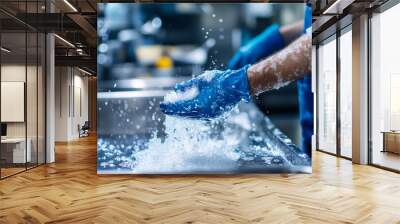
215	93
262	46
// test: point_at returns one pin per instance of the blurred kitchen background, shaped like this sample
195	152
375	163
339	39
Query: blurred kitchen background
153	46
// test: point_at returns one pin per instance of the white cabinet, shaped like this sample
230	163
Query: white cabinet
18	149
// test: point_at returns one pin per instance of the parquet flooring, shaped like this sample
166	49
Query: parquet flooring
10	171
70	191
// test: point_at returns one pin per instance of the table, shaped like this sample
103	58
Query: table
391	141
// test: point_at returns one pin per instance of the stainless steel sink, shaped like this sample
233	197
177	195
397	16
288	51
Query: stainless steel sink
130	112
127	120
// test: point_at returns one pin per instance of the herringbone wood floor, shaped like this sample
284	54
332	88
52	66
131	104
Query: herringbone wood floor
70	191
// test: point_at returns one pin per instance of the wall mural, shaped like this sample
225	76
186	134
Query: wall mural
182	88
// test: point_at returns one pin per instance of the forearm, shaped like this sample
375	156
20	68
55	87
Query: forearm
289	64
292	31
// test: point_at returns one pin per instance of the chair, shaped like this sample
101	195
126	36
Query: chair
84	130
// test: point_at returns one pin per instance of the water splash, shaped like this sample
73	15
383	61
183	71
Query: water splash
189	145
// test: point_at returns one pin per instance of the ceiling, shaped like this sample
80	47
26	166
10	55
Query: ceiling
74	22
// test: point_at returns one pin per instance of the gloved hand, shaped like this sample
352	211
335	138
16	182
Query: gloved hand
262	46
208	95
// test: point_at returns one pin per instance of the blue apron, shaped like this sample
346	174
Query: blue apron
306	99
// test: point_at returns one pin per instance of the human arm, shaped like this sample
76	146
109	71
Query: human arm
216	92
287	65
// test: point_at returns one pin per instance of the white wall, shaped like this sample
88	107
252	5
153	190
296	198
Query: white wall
33	126
70	83
62	81
12	73
79	117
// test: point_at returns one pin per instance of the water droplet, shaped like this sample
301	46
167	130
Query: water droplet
221	20
115	85
206	33
213	15
205	37
202	28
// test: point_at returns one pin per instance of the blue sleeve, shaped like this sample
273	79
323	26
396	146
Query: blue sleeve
307	17
262	46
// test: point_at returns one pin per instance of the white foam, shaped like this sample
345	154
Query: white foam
175	96
208	75
190	93
189	146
